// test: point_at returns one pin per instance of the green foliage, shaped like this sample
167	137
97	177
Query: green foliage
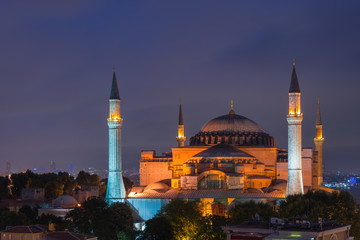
181	219
19	181
4	188
9	218
245	211
125	236
336	206
85	178
340	207
210	228
184	217
157	228
60	223
31	213
67	181
128	184
54	184
96	217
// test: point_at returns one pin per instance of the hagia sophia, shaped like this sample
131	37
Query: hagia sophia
230	159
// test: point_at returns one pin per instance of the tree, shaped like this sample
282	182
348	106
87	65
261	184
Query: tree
338	206
67	181
128	184
157	228
184	217
210	228
9	218
335	206
60	223
53	189
30	213
4	188
96	217
246	211
85	178
19	181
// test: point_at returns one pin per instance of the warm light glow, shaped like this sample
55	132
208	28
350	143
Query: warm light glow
115	118
131	194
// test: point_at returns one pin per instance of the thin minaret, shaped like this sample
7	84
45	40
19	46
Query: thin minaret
319	141
294	119
231	108
181	135
115	191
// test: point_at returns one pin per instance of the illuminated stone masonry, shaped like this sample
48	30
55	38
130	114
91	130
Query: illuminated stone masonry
115	191
230	159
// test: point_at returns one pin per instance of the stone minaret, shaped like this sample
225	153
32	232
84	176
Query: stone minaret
319	141
294	119
181	135
115	191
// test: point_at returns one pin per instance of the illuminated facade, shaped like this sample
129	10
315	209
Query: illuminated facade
294	119
319	141
230	159
115	191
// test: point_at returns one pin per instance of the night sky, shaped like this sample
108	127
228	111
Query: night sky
56	61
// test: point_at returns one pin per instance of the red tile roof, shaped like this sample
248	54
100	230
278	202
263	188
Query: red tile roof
65	235
23	229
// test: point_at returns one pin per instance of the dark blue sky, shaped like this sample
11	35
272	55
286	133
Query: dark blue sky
56	60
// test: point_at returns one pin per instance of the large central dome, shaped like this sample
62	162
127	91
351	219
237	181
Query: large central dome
232	129
232	123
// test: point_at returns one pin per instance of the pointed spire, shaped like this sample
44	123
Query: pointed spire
231	108
318	115
294	85
181	121
114	94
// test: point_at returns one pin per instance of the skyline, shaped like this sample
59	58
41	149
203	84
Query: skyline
57	71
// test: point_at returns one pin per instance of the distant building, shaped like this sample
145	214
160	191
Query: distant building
52	166
60	206
85	192
304	231
7	168
40	232
35	194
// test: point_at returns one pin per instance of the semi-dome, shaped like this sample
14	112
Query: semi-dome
157	187
232	129
232	123
65	201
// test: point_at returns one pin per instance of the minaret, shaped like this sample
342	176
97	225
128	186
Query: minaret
181	135
294	119
232	108
319	141
115	191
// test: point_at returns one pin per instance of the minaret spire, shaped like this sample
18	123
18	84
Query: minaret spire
181	121
114	94
318	114
115	191
294	119
181	134
231	108
319	142
294	85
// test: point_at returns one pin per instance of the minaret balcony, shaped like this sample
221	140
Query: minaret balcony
294	119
